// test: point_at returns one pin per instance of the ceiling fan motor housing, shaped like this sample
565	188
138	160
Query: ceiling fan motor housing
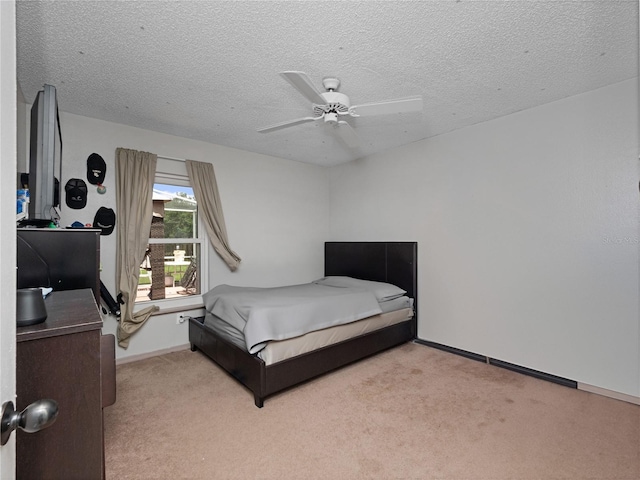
335	103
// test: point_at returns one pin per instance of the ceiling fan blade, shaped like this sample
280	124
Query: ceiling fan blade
302	83
400	105
289	123
347	134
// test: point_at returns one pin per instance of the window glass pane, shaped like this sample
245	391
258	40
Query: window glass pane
171	276
179	209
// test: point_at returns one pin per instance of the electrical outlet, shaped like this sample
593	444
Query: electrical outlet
180	318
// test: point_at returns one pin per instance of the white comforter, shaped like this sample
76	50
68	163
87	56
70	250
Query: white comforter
284	312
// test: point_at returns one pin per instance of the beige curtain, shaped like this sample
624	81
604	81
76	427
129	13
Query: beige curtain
135	173
205	188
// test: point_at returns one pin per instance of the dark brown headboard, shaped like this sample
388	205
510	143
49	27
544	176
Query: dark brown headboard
391	262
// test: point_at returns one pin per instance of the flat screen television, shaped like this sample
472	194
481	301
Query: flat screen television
63	259
45	158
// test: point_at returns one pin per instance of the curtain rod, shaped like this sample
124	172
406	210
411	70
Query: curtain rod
173	159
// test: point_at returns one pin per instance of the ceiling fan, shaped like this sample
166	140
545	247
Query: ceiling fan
331	105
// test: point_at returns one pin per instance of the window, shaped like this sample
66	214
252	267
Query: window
172	264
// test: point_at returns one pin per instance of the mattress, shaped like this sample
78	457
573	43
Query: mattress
264	314
277	351
393	311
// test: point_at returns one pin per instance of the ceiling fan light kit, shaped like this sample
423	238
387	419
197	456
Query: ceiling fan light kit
331	105
331	118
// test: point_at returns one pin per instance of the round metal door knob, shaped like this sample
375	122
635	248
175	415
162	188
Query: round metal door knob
40	414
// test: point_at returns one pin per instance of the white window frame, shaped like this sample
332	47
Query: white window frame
186	302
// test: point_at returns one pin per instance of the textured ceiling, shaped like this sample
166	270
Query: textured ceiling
208	70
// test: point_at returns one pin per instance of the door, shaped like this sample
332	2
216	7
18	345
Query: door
8	179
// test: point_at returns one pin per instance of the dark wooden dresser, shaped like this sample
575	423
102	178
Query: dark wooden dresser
66	358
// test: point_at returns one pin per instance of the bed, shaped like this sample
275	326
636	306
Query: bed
390	262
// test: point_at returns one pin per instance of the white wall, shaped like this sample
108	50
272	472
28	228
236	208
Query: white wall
276	212
528	234
8	152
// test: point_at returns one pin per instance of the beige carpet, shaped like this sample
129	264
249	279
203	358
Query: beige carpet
409	413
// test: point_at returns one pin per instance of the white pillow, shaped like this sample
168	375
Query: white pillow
382	291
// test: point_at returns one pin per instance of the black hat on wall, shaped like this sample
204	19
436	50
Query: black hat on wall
76	193
105	220
96	169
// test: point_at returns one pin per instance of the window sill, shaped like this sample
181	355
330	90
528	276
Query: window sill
170	305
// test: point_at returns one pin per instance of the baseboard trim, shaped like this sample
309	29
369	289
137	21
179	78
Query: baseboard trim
457	351
608	393
534	373
502	364
155	353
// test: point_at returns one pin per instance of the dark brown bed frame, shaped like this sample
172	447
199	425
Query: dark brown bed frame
391	262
